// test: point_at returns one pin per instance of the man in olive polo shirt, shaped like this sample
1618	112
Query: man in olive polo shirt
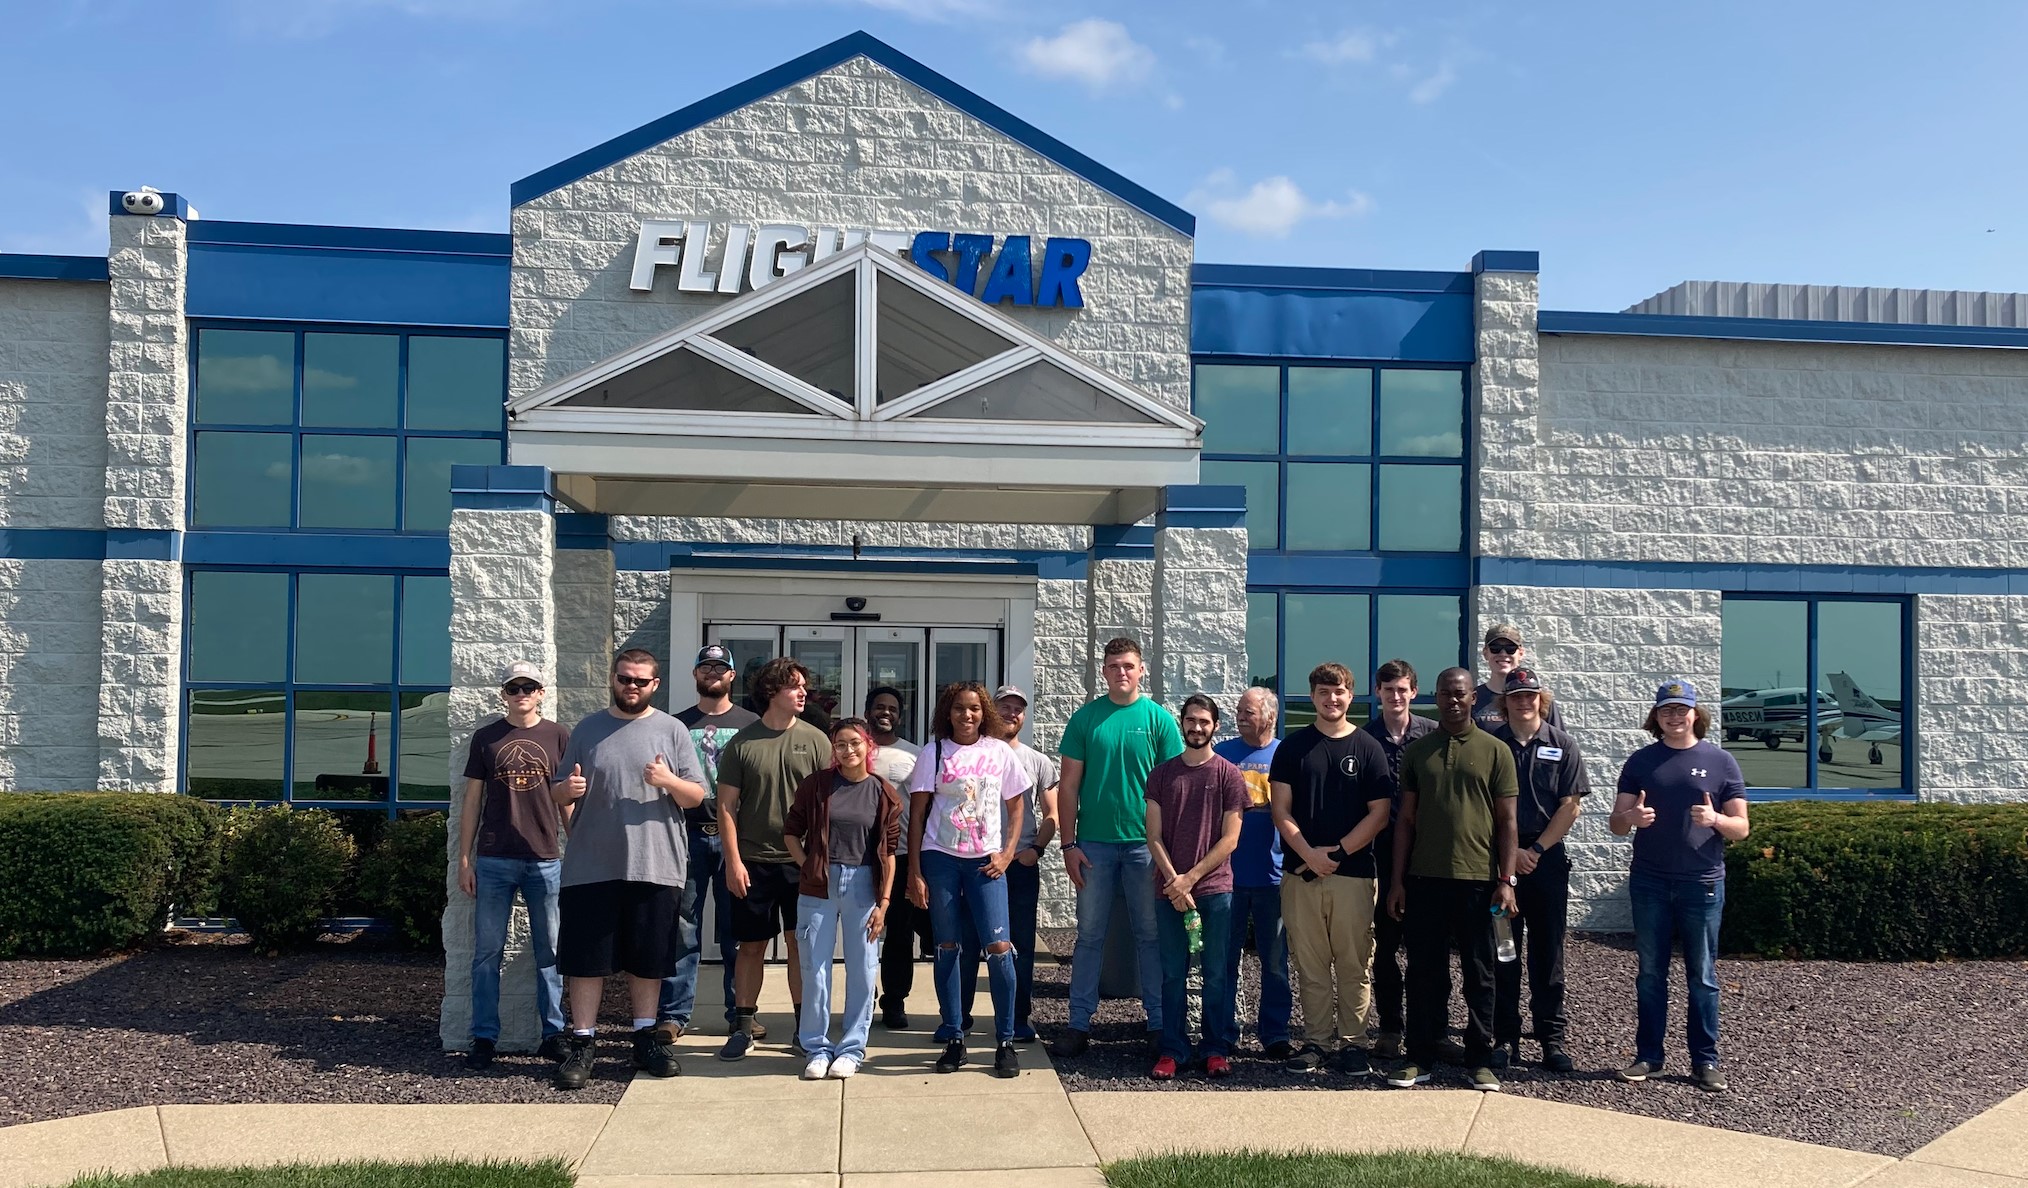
1454	836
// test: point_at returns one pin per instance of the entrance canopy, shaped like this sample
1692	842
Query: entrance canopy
858	388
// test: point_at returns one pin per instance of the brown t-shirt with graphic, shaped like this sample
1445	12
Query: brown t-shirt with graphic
517	817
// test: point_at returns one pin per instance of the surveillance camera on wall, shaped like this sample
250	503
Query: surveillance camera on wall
145	201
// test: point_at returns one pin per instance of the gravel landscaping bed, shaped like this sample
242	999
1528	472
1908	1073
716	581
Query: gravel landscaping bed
1880	1058
203	1019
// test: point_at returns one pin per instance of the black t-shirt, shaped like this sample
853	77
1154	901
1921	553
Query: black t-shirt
1377	727
517	816
709	733
854	811
1332	783
1551	769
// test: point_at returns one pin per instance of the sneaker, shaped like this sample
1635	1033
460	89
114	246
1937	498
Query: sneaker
481	1055
1072	1042
968	1024
1504	1054
1451	1051
576	1068
1408	1076
756	1029
818	1068
1280	1050
1164	1070
843	1068
671	1030
1484	1080
796	1045
555	1047
1217	1068
1388	1047
654	1055
1352	1062
1638	1071
1006	1061
736	1045
1555	1059
894	1019
1709	1079
1024	1033
953	1058
1308	1059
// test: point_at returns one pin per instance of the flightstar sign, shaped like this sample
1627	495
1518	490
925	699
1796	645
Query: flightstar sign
756	253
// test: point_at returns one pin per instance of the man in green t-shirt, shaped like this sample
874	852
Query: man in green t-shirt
1108	749
1454	838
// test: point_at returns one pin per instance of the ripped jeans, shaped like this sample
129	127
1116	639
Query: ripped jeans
959	887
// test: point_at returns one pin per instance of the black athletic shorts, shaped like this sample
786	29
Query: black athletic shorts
618	927
769	908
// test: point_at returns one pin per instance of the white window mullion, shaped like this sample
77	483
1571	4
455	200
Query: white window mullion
958	383
866	340
770	377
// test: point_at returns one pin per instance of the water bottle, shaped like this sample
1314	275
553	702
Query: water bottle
1503	936
1193	927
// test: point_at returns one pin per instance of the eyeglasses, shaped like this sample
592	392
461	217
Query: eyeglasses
636	682
520	689
714	669
1503	648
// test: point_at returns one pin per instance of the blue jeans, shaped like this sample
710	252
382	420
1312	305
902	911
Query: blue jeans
705	872
1024	901
959	888
1221	1027
1263	906
1122	867
495	882
819	925
1667	911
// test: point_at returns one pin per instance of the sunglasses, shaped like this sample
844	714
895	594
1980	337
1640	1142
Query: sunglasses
520	689
1503	648
635	682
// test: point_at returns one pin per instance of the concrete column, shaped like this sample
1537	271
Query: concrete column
503	608
1064	675
147	414
583	585
1122	591
1506	397
1200	596
1968	647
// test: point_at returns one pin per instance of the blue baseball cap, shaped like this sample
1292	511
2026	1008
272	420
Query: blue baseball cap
1676	691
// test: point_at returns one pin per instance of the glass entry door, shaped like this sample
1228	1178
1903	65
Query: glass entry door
847	662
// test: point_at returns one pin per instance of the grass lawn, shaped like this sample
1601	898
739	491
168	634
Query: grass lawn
1404	1169
443	1173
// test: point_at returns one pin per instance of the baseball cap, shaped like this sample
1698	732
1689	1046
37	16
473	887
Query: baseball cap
1523	680
1011	691
1506	631
1676	691
713	654
521	670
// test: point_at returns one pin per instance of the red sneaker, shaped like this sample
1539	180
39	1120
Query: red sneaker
1216	1067
1164	1070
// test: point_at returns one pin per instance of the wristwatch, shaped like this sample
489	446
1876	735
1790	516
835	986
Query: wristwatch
1535	848
1066	847
1512	880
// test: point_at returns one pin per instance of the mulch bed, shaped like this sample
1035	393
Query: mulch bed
1880	1058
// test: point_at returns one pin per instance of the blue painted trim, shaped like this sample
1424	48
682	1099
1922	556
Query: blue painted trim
144	544
1748	579
1364	280
318	550
660	555
174	206
501	501
503	488
824	58
52	544
1123	542
1553	321
56	268
1374	572
585	531
1492	261
357	239
1771	795
1202	506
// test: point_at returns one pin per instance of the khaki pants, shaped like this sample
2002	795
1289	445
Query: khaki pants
1330	929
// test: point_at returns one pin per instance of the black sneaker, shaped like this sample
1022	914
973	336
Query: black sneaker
1352	1062
1709	1079
1007	1061
894	1019
1280	1050
1638	1071
953	1058
1072	1042
1555	1059
655	1054
481	1055
1504	1054
1451	1051
576	1068
1308	1059
736	1045
555	1047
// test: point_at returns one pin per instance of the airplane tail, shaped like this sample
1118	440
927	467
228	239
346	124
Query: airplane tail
1852	699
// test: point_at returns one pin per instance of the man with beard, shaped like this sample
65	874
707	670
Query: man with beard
712	722
908	928
631	771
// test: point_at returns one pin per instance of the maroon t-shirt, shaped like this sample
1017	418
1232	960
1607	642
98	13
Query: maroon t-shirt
1194	801
517	817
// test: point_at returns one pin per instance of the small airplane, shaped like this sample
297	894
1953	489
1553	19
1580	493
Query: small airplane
1774	715
1861	717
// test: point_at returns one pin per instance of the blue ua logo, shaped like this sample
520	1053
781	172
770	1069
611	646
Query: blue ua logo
1700	771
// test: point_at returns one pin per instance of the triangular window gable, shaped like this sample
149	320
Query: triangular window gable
864	336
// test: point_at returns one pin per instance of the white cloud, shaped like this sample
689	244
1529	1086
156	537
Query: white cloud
1375	49
1435	84
1095	52
1271	208
1360	46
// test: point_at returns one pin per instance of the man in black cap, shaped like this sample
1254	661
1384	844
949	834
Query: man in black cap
1503	652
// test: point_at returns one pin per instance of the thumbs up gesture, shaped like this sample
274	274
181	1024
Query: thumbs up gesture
1704	814
1643	815
574	782
658	774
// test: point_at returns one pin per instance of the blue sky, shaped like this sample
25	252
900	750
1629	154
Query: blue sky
1633	145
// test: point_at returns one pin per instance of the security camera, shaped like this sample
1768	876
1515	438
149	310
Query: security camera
855	604
145	201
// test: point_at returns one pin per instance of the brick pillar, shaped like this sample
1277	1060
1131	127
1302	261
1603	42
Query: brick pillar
1200	596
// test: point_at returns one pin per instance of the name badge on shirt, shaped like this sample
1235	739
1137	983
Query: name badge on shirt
1551	754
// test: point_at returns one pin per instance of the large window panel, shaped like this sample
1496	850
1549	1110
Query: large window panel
456	383
1422	508
426	631
1263	619
1330	410
245	377
239	627
347	482
1763	716
1321	627
234	743
345	629
1422	413
1423	629
343	744
1330	506
1241	407
426	481
241	480
1263	496
1859	650
425	746
352	381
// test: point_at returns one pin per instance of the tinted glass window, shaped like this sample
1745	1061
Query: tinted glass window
456	383
1263	496
241	480
1241	408
426	631
1421	629
1859	658
344	745
234	746
1321	627
1261	620
348	482
426	487
1330	410
351	380
239	627
1421	508
1330	506
425	746
344	629
245	377
1763	666
1422	413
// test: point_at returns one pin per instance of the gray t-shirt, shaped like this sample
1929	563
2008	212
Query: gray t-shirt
855	810
624	829
1041	771
896	764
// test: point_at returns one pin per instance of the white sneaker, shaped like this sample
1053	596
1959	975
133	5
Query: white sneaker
816	1068
844	1067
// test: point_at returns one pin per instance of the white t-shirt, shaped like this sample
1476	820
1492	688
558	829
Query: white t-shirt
895	764
970	783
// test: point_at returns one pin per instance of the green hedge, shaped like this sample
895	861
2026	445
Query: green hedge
402	880
86	873
283	870
1880	882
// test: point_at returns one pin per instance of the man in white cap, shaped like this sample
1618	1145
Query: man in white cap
1503	651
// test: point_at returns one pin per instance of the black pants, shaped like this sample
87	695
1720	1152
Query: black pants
1443	913
1387	941
908	932
1544	899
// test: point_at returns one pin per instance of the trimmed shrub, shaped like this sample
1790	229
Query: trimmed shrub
87	873
1880	882
402	880
283	868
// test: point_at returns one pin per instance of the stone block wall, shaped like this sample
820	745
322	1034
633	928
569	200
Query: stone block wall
582	581
50	660
1200	614
1971	664
1505	403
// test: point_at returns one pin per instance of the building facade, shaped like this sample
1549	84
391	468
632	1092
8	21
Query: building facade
849	364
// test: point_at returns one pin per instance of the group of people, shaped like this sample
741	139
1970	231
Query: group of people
1337	849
